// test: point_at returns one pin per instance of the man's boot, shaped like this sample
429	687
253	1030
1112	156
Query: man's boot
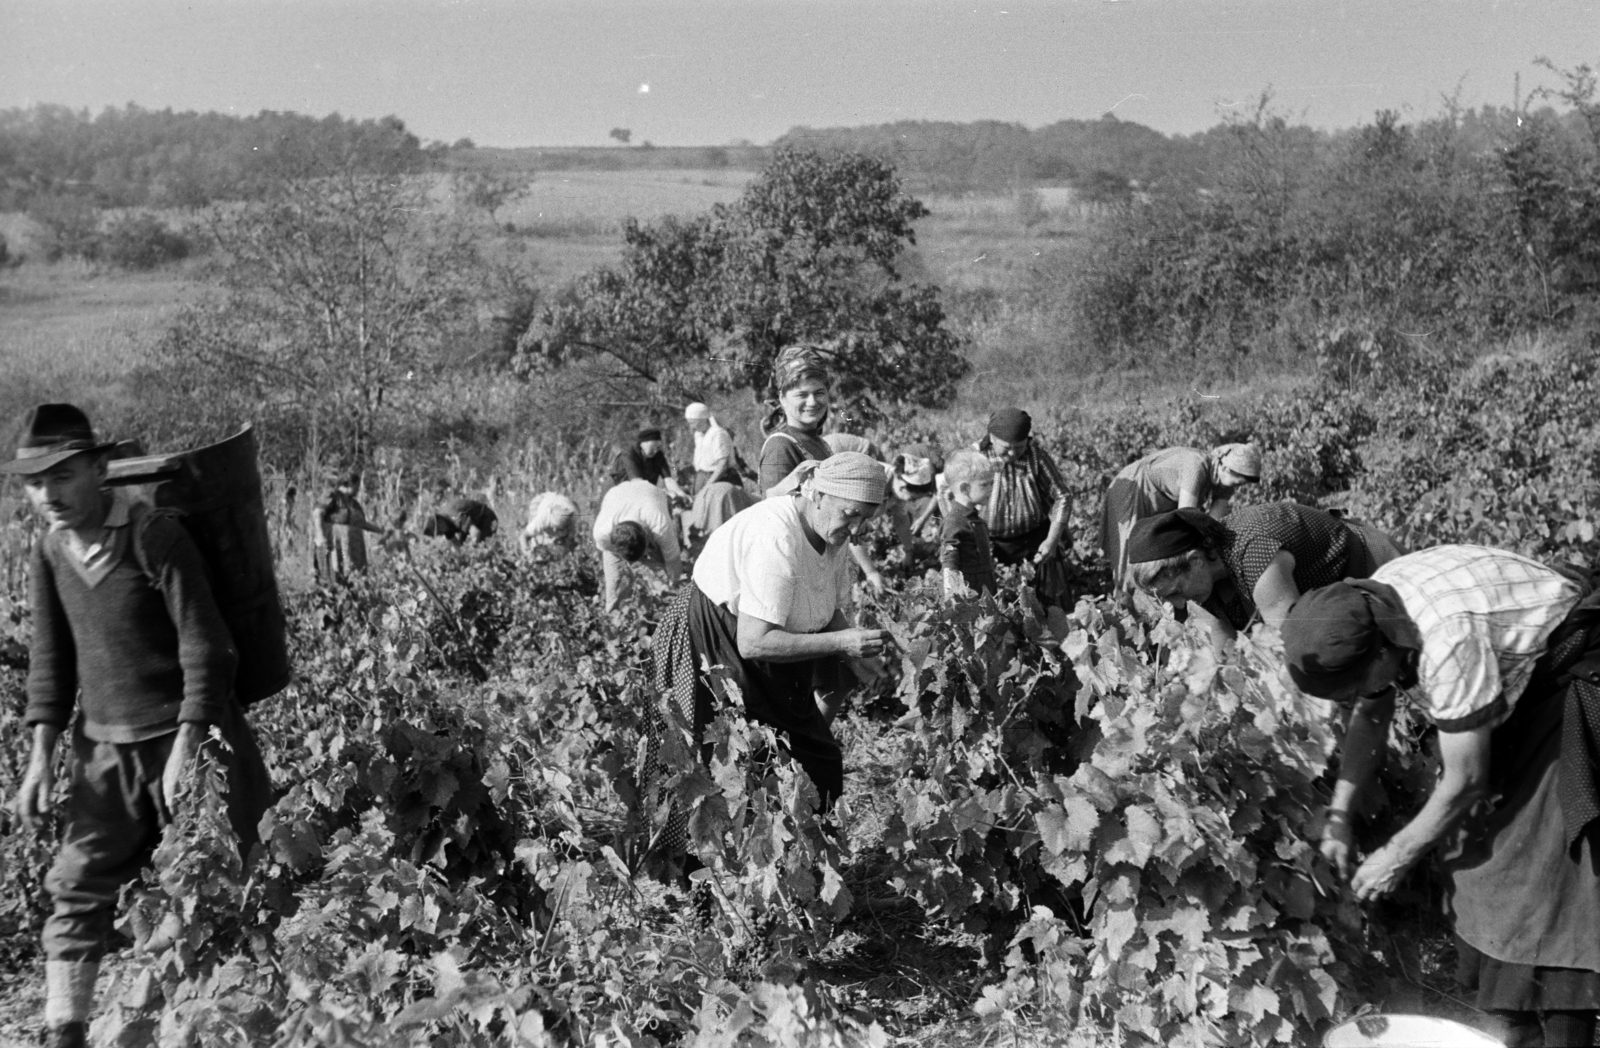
66	1035
69	995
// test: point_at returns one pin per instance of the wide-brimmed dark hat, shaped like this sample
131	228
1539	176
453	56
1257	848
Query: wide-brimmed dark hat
52	433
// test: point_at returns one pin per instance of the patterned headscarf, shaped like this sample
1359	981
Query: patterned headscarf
1243	459
847	475
851	475
793	365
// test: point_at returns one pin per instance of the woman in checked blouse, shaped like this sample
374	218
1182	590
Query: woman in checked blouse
1502	655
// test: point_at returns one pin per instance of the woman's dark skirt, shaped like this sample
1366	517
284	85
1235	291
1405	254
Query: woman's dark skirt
696	634
1525	877
1050	578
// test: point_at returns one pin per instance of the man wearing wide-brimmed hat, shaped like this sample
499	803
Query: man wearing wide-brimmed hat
1502	655
126	632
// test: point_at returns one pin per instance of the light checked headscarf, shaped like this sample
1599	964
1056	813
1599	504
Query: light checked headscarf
847	475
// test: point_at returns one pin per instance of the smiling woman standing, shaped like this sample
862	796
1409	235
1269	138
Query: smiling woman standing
798	405
797	409
765	607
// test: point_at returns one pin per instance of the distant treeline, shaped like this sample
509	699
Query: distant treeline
134	157
644	157
1106	159
1103	158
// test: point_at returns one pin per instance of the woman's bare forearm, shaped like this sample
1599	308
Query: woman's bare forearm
1366	746
777	645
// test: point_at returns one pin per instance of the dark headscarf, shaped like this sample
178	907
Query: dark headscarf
651	433
1172	534
1332	634
1011	425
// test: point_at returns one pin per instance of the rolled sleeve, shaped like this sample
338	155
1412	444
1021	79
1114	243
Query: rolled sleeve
779	457
1194	480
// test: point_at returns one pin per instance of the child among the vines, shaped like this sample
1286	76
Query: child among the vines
552	525
966	558
340	532
125	632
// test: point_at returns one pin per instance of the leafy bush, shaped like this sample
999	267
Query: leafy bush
335	294
1148	802
1424	229
142	241
69	224
808	253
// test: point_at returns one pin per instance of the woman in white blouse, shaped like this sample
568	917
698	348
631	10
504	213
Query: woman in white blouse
718	488
765	607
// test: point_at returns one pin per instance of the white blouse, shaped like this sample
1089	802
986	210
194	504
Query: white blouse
761	564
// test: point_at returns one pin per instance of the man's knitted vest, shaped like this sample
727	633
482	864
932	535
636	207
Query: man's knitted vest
122	649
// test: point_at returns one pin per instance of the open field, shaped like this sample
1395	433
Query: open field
570	222
70	329
602	199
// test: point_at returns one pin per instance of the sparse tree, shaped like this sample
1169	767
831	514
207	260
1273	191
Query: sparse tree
334	294
489	191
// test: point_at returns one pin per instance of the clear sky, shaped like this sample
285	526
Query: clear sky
690	72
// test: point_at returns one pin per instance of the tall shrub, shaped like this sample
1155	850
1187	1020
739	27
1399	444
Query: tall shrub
810	252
